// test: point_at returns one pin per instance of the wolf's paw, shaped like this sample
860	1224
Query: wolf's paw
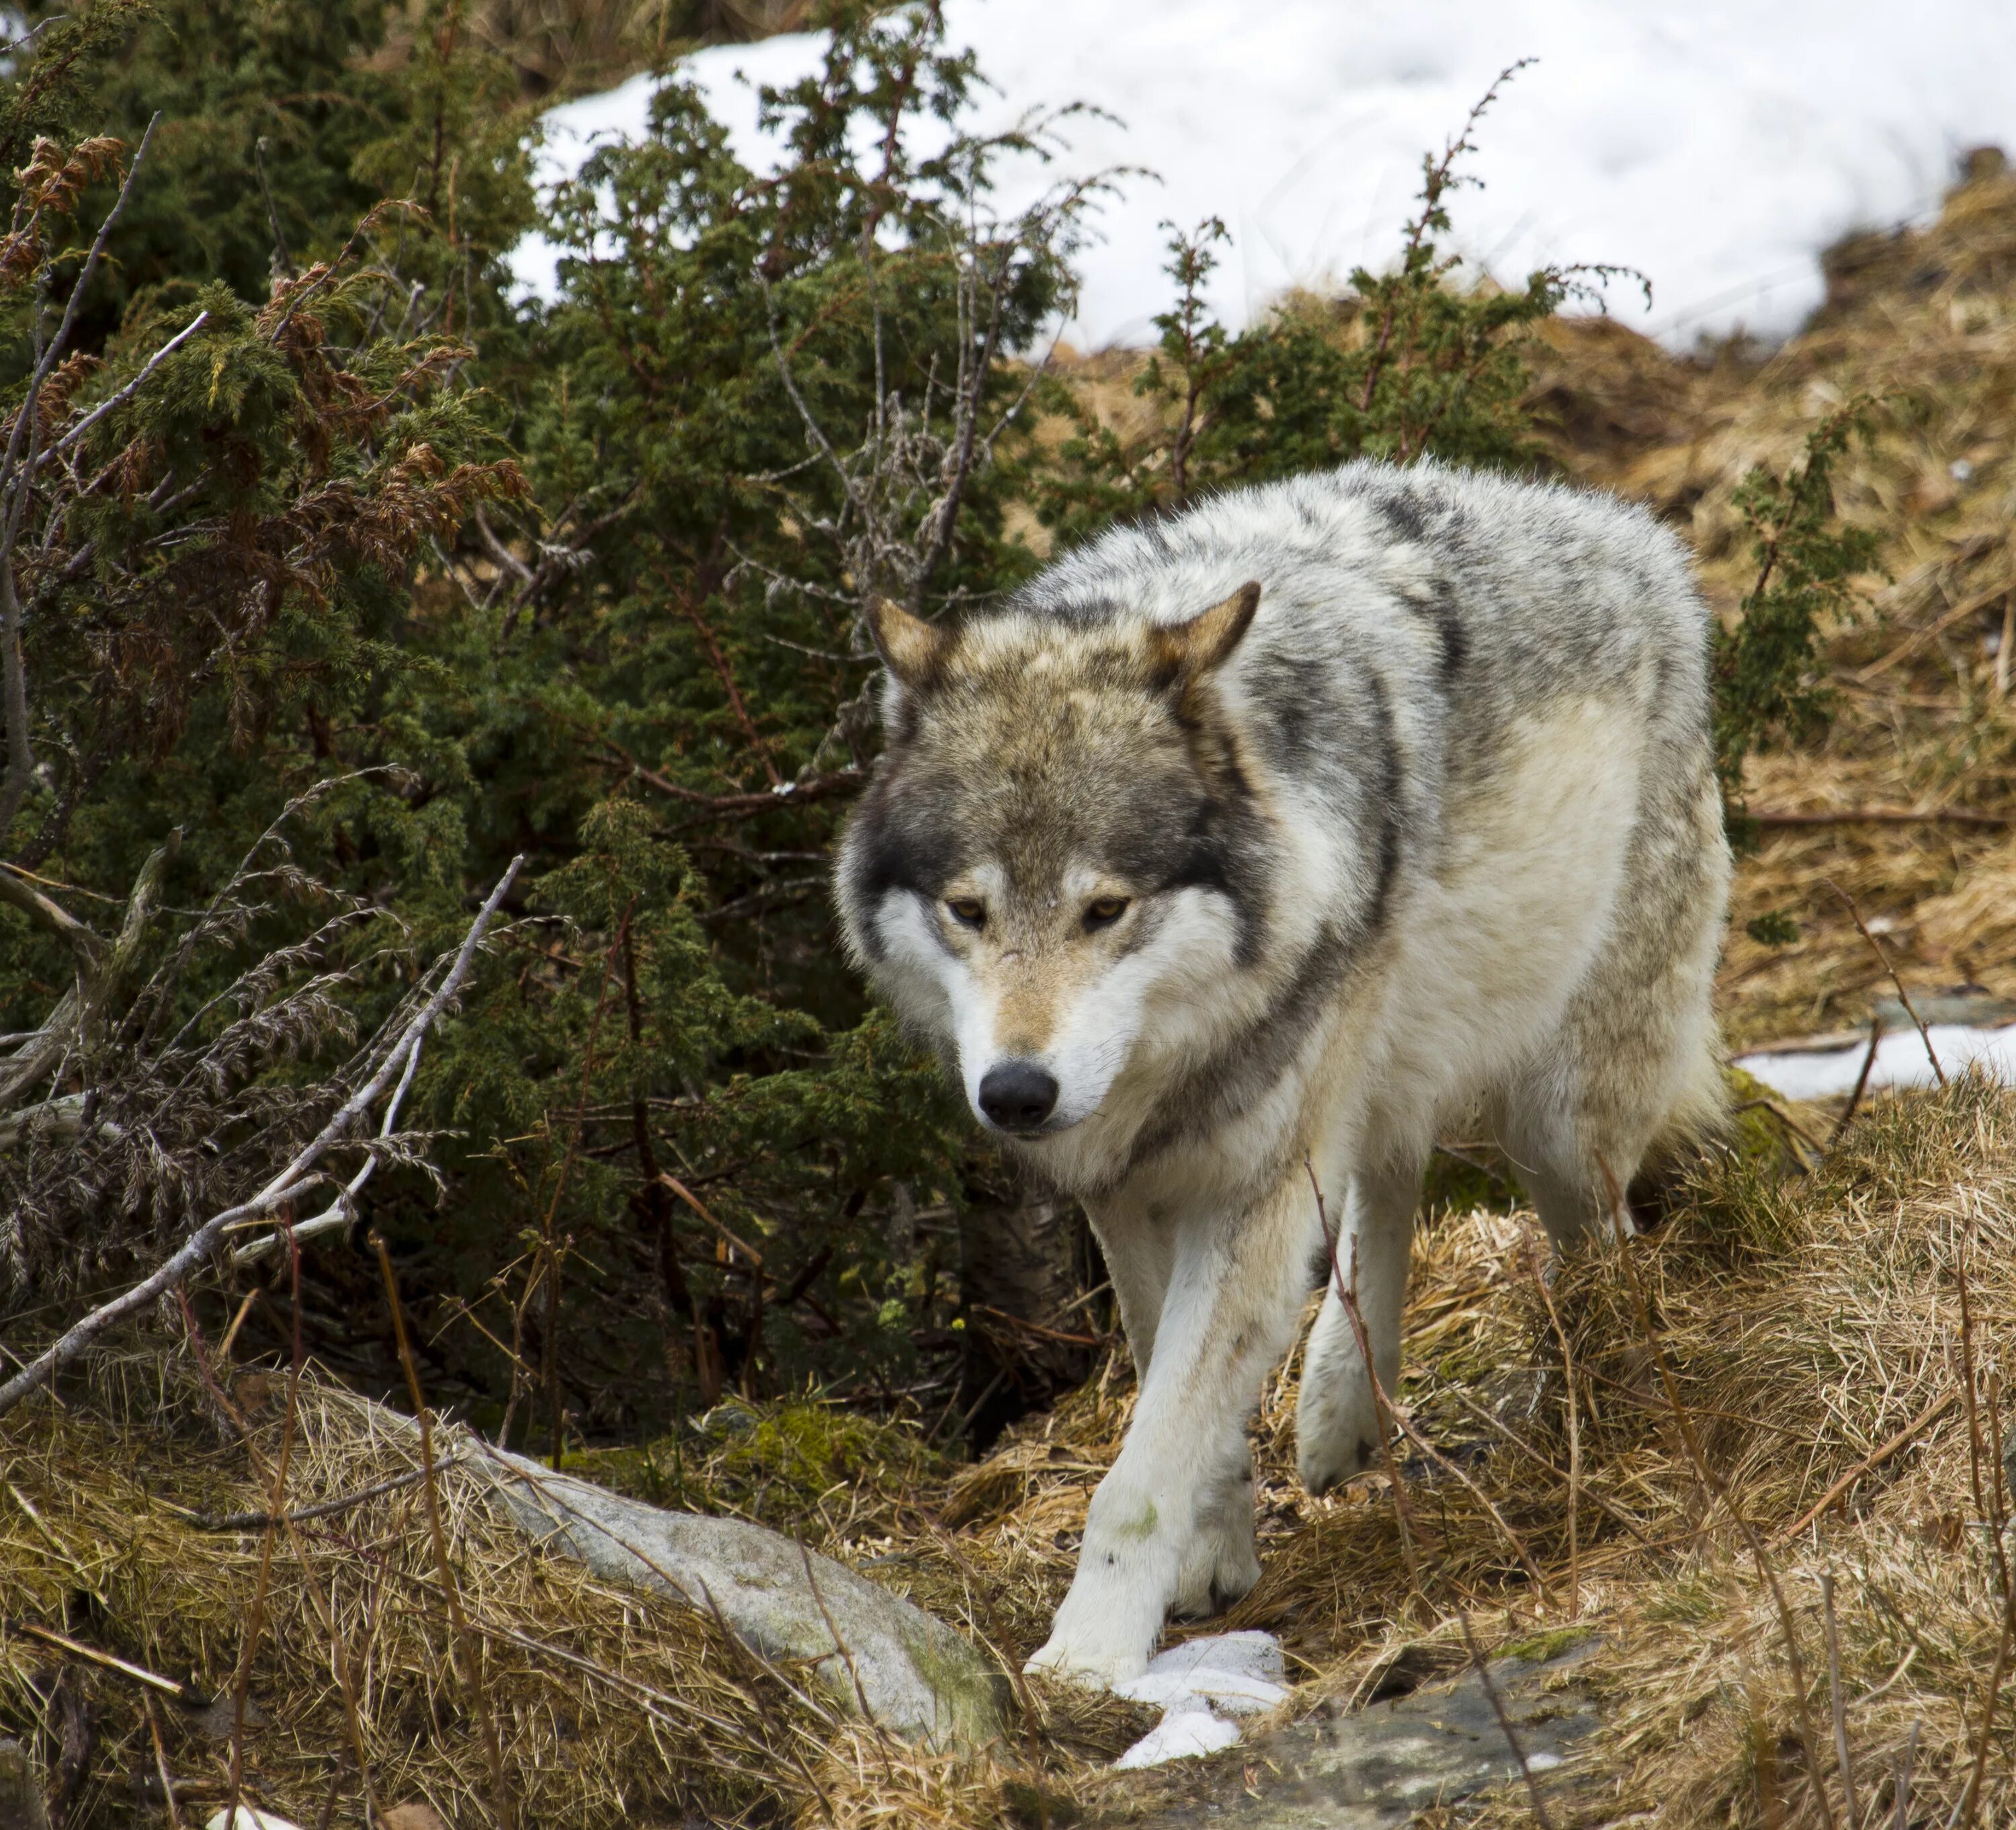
1337	1432
1223	1566
1094	1667
1103	1633
1327	1462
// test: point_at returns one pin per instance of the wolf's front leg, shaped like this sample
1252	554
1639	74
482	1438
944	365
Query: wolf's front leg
1171	1524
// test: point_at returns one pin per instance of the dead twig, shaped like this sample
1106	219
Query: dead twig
1861	1083
1903	997
1504	1722
1630	1524
301	1174
1716	1486
1518	1543
1879	816
472	1652
1382	1408
1574	1433
1966	607
1836	1700
241	1521
161	1764
106	1662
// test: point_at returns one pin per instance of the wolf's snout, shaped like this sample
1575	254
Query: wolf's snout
1017	1096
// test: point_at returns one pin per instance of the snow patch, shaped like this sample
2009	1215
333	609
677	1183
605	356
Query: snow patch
1901	1060
1204	1686
1716	144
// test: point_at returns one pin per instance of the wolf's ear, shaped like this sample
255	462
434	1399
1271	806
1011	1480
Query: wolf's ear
911	648
1206	642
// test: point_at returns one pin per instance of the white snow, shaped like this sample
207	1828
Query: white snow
1718	145
1901	1060
1179	1735
1203	1687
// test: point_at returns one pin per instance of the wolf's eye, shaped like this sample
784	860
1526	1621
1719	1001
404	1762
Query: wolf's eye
967	911
1105	912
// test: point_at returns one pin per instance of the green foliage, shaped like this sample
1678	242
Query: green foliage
1774	928
1766	666
1407	366
281	125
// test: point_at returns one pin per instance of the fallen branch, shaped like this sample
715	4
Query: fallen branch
105	1661
1967	606
300	1175
343	1210
238	1521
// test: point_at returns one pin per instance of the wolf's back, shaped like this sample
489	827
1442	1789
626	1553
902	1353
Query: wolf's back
1413	621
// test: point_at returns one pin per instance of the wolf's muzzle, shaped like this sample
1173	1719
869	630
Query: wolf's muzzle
1017	1096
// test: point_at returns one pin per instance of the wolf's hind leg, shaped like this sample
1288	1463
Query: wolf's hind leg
1336	1418
1633	1065
1578	1134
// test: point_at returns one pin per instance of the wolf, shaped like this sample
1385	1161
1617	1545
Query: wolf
1238	853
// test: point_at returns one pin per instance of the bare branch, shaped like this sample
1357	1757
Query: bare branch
16	891
301	1174
126	393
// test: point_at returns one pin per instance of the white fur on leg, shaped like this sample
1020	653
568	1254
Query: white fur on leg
1127	1571
1222	1563
1337	1419
1172	1521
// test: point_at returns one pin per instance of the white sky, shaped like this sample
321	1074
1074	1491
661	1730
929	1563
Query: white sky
1718	146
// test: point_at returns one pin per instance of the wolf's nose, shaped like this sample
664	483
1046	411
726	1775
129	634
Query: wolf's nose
1017	1096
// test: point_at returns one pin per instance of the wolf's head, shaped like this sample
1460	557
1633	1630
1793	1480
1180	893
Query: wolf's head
1058	864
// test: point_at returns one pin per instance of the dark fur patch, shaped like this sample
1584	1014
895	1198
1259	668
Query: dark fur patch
903	841
1403	513
1294	709
1440	608
1389	814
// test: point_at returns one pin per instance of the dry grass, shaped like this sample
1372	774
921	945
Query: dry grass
1806	1323
1806	1320
611	1712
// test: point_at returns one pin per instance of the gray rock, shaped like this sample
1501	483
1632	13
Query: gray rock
916	1676
1374	1770
21	1806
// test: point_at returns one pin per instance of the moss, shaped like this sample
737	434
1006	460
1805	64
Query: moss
783	1464
1538	1648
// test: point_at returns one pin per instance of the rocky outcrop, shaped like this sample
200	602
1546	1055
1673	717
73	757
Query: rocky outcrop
870	1650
